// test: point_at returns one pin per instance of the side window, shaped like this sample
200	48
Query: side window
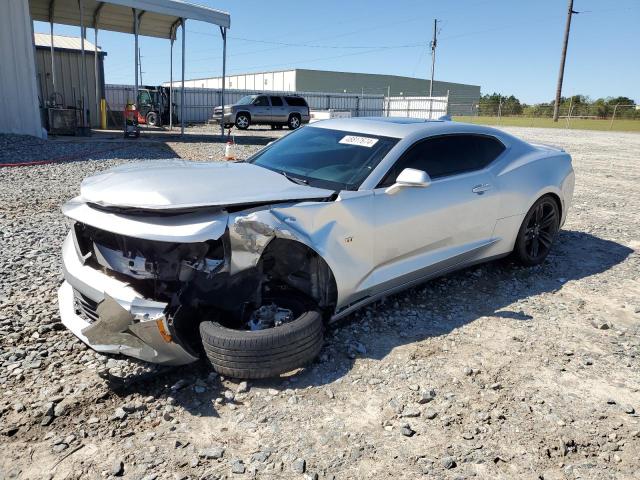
144	98
276	101
296	101
447	155
261	101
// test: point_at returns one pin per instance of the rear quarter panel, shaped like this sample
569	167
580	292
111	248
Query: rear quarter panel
531	172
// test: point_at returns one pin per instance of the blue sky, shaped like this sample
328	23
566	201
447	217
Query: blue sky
506	46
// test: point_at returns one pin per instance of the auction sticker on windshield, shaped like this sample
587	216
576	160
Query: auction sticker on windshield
361	141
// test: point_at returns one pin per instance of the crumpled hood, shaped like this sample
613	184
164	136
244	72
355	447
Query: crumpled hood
179	184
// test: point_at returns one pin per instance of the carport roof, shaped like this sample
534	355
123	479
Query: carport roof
159	18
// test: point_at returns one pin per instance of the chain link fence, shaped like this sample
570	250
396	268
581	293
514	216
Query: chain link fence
590	116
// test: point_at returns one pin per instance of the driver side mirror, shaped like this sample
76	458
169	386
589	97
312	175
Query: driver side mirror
410	177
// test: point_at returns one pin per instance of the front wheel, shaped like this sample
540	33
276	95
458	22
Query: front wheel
152	119
537	232
243	121
268	349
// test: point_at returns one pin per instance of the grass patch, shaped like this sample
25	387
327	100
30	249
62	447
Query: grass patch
574	124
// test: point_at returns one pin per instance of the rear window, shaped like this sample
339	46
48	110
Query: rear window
296	101
276	101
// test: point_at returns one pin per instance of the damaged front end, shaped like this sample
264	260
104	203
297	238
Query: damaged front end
145	297
124	295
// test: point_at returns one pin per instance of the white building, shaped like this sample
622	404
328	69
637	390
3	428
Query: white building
323	81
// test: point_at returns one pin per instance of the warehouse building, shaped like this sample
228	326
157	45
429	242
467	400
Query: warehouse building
68	65
324	81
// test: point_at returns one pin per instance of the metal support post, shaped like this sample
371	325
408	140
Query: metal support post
171	85
52	4
135	55
182	83
95	71
614	115
83	69
223	31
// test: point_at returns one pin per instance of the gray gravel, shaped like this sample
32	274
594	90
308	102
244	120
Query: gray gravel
475	364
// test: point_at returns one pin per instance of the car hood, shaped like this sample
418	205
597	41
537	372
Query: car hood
180	185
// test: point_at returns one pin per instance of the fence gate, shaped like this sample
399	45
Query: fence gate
416	107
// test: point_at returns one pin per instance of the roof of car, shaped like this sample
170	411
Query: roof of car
401	127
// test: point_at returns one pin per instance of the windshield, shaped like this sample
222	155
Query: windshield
325	158
246	100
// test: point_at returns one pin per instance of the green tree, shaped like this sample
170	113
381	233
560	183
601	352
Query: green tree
490	104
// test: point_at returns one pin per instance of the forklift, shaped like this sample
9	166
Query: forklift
153	106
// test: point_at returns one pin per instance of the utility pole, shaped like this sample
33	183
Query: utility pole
434	43
556	106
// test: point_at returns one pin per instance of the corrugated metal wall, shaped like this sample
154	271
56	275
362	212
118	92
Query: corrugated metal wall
199	102
463	98
68	65
283	81
20	112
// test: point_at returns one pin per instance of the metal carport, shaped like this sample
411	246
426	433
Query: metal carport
152	18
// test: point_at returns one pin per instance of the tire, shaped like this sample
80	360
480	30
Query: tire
263	353
537	232
242	121
152	119
294	121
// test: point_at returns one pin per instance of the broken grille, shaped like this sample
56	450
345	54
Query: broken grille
85	307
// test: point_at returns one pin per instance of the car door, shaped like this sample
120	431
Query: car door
278	110
145	104
420	231
261	110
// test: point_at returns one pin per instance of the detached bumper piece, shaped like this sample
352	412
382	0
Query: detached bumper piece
110	316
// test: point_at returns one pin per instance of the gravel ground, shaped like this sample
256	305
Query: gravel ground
494	372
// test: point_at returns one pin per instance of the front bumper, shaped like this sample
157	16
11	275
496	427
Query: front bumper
229	117
111	317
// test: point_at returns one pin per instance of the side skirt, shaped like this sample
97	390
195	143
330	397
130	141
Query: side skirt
374	298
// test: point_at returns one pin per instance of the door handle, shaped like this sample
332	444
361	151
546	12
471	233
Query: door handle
480	189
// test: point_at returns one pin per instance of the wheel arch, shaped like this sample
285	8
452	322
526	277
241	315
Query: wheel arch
245	112
303	268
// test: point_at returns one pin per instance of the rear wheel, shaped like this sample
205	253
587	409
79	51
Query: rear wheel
284	335
537	232
294	122
243	121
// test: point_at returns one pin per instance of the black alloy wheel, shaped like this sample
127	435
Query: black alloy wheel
538	232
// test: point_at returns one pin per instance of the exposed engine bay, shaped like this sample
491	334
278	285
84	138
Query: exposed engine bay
196	283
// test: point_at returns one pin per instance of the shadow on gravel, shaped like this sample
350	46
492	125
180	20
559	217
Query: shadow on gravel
441	305
428	310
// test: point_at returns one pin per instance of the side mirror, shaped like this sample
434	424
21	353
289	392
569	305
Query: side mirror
410	177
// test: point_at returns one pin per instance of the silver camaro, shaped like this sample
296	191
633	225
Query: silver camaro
246	262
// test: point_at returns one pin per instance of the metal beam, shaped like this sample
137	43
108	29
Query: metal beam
183	22
172	37
223	32
135	55
171	86
83	69
96	20
52	5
